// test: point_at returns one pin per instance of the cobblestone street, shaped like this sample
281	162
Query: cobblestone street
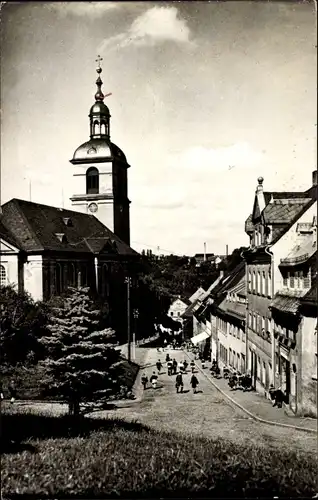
207	413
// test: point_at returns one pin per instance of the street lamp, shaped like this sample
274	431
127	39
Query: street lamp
136	315
128	282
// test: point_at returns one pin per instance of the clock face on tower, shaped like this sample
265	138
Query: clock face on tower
92	207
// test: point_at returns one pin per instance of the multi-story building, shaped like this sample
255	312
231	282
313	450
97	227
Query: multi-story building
295	340
272	228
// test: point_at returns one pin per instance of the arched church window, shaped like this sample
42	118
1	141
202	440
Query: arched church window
92	181
3	276
95	127
103	128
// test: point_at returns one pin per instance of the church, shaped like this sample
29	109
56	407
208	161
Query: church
45	249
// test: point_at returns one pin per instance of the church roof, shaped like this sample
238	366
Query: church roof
97	149
39	228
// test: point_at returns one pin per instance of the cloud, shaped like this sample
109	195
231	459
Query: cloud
156	25
81	9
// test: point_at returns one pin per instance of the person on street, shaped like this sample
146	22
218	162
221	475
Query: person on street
167	357
194	383
185	365
192	364
169	367
181	366
159	366
174	366
279	398
203	363
12	391
144	380
179	382
153	380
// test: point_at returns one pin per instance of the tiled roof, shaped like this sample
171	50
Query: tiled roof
249	226
230	280
6	234
236	309
286	304
283	213
37	227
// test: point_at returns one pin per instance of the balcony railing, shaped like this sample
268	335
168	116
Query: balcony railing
295	260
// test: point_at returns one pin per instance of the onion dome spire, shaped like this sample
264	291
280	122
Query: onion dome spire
99	96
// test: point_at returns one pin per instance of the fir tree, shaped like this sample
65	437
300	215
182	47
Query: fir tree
81	360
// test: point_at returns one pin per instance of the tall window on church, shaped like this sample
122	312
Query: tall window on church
3	276
95	127
103	128
71	274
92	181
58	279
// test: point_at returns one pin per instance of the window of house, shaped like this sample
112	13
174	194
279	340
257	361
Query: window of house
3	276
263	323
264	283
71	281
256	282
285	279
269	279
292	280
249	282
301	279
306	280
178	313
260	282
171	313
92	181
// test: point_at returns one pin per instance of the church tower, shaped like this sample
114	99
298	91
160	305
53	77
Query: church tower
100	172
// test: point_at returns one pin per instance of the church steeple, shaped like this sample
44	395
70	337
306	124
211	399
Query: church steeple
99	113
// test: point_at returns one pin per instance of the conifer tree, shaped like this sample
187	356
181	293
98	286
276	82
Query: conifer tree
81	360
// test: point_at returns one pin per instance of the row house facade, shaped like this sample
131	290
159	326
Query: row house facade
262	317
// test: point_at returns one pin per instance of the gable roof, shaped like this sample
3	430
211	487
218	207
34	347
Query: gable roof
37	228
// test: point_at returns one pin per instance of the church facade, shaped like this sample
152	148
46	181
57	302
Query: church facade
45	249
100	172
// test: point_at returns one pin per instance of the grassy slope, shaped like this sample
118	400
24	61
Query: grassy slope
108	458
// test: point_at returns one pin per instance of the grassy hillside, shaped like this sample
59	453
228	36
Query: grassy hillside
107	458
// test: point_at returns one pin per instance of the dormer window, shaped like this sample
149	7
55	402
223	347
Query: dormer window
67	221
61	237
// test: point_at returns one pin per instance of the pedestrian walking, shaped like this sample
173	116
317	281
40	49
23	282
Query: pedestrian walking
174	366
279	398
185	365
203	363
169	367
159	366
179	382
194	383
144	380
192	364
12	391
167	357
153	380
181	366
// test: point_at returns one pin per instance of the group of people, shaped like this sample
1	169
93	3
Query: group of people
173	368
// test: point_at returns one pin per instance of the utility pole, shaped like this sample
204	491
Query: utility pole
136	314
128	282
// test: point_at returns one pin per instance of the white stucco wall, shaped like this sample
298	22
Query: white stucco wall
33	276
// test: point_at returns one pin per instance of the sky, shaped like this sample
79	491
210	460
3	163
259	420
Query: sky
206	97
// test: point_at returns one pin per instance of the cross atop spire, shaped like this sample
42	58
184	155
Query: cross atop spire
98	60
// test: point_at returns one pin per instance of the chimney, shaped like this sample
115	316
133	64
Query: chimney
260	194
227	250
314	178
